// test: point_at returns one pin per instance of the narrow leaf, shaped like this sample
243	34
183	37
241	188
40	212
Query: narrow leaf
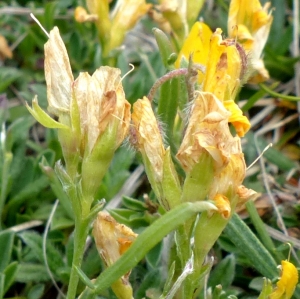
244	239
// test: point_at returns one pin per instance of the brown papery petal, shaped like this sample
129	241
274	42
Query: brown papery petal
58	73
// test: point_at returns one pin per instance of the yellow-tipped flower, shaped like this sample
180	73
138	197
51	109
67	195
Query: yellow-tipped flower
287	282
225	63
250	23
112	240
81	15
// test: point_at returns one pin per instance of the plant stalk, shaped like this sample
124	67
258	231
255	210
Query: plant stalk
80	235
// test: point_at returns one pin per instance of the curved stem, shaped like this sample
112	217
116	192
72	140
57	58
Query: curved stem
278	95
165	78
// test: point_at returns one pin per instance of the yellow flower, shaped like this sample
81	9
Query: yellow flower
112	238
98	100
225	63
287	282
81	15
250	23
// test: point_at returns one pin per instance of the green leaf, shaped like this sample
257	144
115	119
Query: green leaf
153	256
34	242
10	274
129	218
36	292
223	273
2	280
18	131
30	191
262	232
244	239
7	76
151	280
85	279
133	204
32	273
272	154
6	247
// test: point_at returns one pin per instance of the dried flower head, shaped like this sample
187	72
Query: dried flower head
87	106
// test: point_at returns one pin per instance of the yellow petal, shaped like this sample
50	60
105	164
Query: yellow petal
287	282
223	205
238	120
197	44
224	68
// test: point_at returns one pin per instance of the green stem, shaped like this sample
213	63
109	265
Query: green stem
278	95
80	235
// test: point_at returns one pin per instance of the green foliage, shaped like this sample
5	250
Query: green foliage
28	152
